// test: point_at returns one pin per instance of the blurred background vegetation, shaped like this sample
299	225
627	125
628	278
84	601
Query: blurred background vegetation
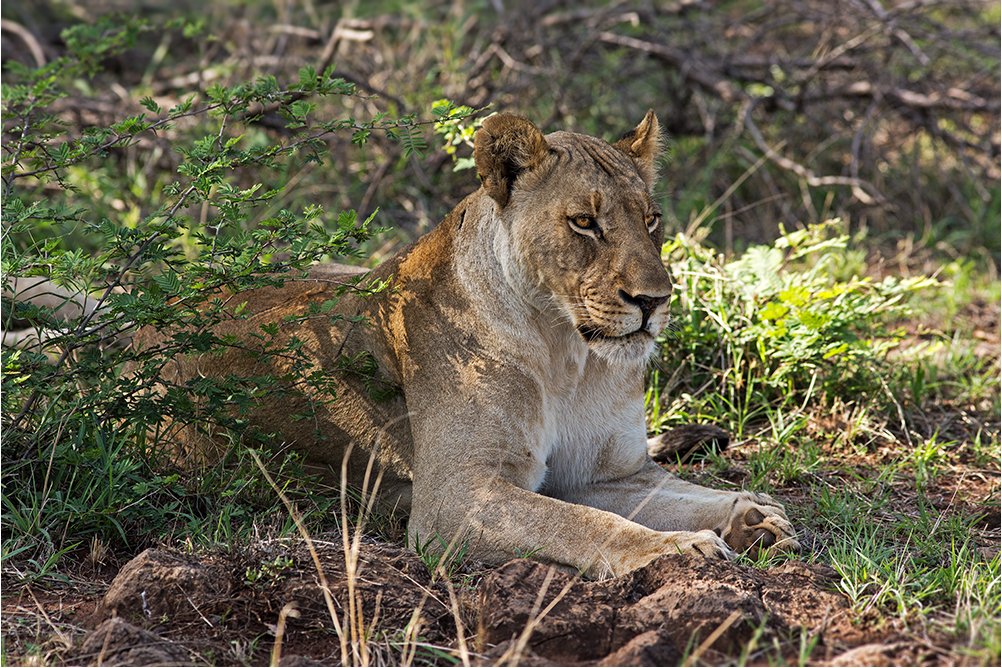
885	115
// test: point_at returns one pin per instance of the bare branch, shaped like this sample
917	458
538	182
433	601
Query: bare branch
860	188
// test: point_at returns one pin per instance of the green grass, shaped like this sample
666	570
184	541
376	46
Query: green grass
902	563
885	452
919	572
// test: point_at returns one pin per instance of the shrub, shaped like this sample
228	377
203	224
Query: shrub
83	451
775	328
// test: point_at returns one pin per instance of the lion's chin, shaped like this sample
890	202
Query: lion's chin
634	348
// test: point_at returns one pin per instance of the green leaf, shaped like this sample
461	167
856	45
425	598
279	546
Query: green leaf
307	78
774	311
170	282
814	321
837	350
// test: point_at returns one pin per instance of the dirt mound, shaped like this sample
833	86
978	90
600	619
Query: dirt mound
651	615
168	608
226	597
118	643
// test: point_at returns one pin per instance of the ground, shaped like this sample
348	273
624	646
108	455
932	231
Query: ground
223	607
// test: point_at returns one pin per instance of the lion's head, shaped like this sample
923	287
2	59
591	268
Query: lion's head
580	229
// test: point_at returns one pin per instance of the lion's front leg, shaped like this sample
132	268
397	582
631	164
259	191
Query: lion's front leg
747	522
475	487
498	521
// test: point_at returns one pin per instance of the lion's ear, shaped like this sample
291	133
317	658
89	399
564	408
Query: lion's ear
644	144
505	146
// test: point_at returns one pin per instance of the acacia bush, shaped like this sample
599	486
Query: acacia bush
86	447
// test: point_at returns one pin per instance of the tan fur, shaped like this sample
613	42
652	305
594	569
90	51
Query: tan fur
518	331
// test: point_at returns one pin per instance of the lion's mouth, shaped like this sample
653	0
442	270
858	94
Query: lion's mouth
630	348
592	334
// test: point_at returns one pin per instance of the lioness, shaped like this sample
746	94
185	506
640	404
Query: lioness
518	331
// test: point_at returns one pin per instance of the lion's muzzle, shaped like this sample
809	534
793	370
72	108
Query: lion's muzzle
646	303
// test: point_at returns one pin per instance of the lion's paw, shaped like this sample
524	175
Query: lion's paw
657	543
706	543
758	525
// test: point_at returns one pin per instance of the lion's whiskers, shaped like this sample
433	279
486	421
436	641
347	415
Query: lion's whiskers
566	311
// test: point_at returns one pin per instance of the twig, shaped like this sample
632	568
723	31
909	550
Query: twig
341	31
464	653
837	52
29	39
903	36
857	139
859	186
901	413
690	68
288	610
204	618
727	193
324	587
955	98
712	638
287	29
62	636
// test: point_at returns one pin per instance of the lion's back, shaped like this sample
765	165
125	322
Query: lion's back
352	402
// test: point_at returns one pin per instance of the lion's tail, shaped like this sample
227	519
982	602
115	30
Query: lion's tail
63	304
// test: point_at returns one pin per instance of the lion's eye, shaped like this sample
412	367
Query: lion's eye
584	223
652	221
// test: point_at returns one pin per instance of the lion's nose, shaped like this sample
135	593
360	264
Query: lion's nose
646	303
